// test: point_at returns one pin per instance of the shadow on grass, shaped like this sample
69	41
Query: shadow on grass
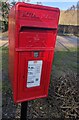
8	107
64	63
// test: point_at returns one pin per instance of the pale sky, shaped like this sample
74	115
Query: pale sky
60	4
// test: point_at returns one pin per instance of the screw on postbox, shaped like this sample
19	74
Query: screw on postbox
32	38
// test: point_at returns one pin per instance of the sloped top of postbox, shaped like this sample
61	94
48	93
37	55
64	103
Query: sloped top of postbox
36	6
37	15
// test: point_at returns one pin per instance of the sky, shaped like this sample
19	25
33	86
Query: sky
62	5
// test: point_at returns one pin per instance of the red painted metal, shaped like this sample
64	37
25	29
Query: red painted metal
31	28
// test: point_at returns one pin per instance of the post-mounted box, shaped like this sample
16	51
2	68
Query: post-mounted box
32	37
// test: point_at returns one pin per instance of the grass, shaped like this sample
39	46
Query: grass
4	64
64	62
0	60
5	58
0	70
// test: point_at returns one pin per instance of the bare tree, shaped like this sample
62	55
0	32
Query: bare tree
39	3
78	5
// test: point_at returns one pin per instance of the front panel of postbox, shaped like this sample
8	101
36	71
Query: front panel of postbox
34	74
36	43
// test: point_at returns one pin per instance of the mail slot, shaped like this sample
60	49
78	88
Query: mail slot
32	37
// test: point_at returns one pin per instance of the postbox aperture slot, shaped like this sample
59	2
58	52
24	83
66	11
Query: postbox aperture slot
25	28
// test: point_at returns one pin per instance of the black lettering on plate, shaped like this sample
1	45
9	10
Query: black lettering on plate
31	82
36	79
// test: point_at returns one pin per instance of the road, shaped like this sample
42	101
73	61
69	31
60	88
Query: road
63	43
3	41
66	43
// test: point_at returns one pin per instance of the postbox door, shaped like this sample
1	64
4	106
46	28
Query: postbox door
34	83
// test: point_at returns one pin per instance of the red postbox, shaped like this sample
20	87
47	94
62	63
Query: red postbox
32	37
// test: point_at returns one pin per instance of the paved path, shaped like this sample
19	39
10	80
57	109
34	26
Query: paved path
3	41
63	43
66	43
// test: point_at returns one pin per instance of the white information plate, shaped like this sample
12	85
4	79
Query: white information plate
34	73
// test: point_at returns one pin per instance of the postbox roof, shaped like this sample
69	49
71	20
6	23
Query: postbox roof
40	16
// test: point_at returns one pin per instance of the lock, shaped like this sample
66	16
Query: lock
36	54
